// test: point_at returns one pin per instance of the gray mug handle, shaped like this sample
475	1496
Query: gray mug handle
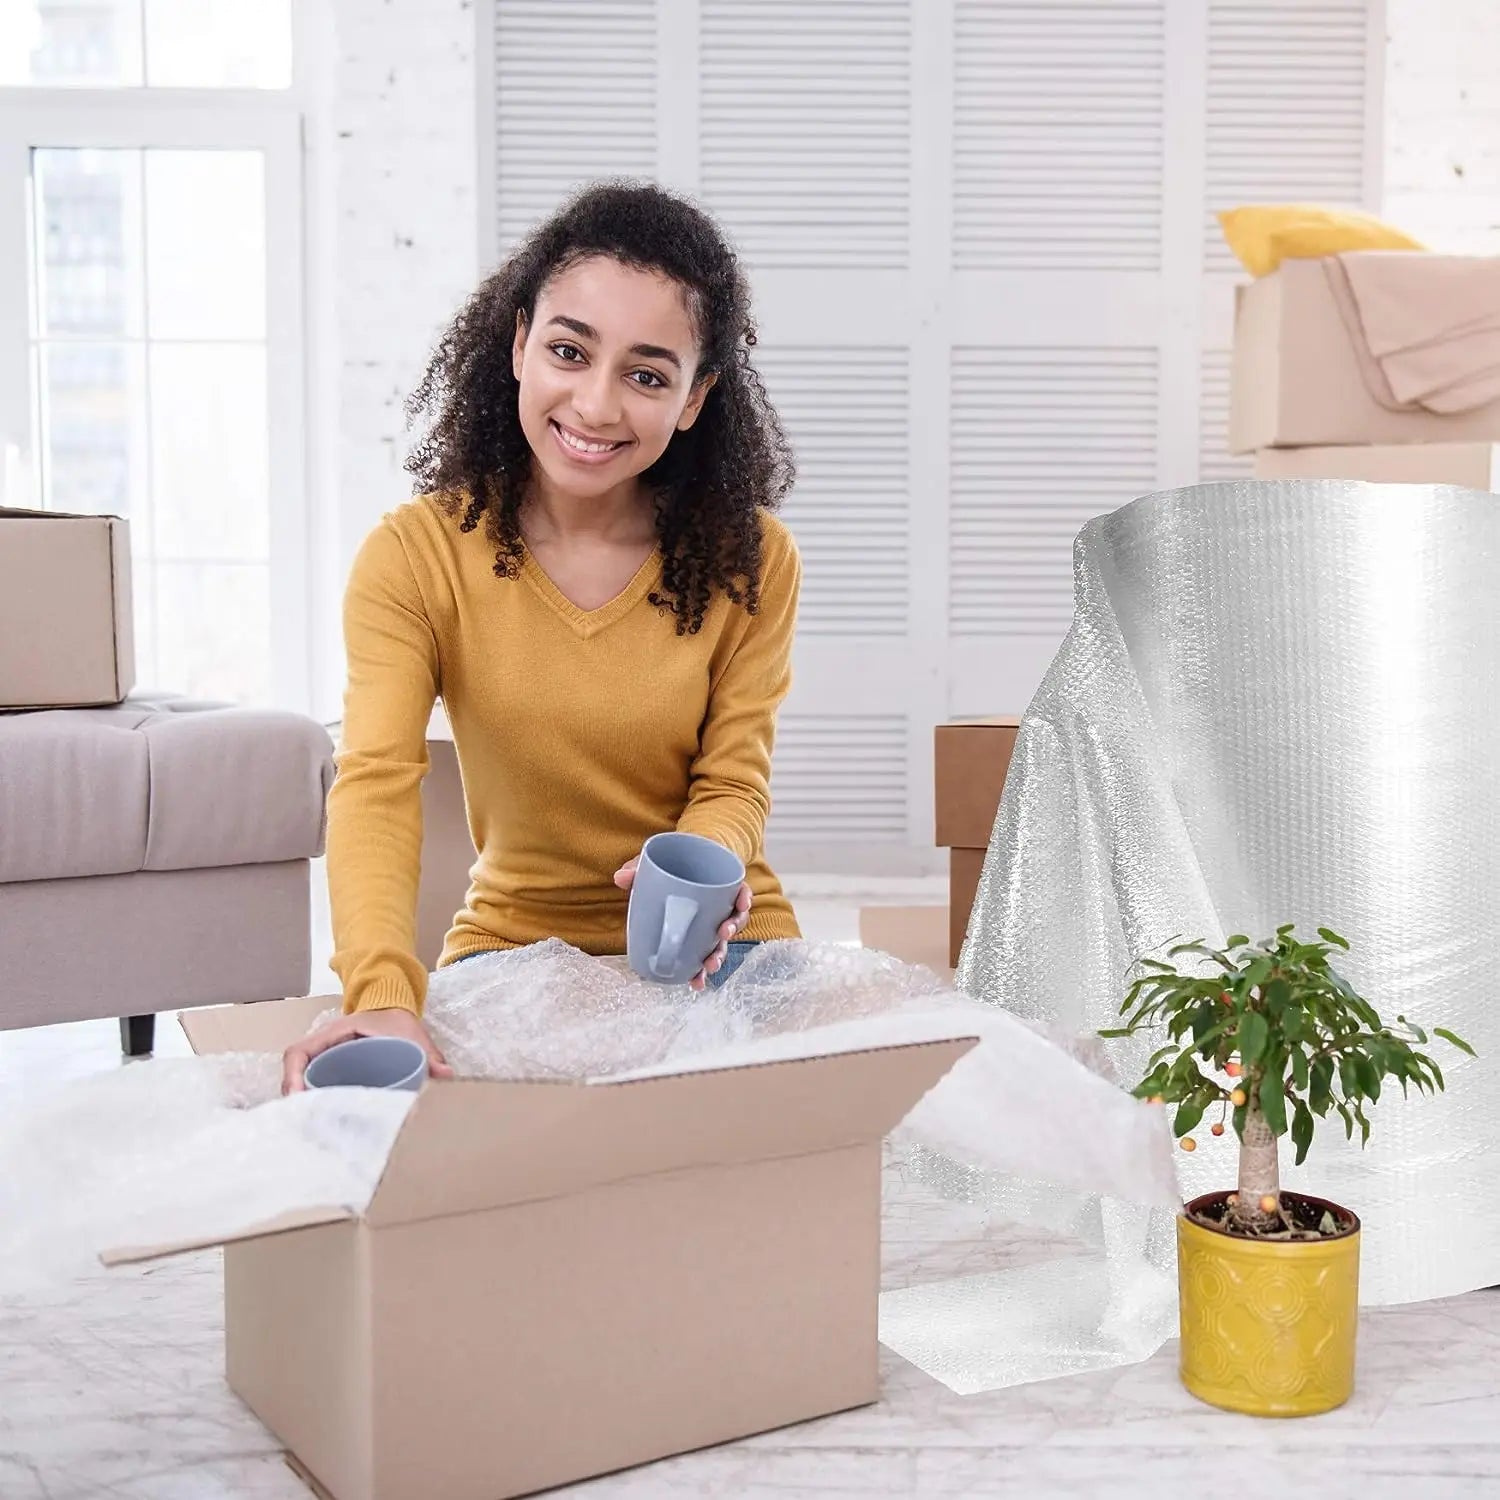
677	917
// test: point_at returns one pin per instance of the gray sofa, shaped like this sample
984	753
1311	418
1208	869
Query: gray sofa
155	856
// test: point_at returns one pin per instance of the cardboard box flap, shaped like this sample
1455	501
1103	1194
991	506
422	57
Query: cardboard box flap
300	1218
471	1144
263	1026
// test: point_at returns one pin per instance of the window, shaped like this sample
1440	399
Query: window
150	318
151	43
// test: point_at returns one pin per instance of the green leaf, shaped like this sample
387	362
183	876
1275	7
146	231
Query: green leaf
1186	1118
1157	964
1278	995
1348	1122
1273	1095
1369	1076
1115	1031
1332	937
1237	941
1203	1021
1204	950
1258	972
1281	932
1456	1041
1349	1077
1300	1070
1364	1010
1253	1036
1302	1130
1364	1127
1417	1034
1321	1085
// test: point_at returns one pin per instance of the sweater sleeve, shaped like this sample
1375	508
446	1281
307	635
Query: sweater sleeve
375	805
729	794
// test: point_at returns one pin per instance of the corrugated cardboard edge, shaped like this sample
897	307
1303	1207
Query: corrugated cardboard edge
306	1475
122	607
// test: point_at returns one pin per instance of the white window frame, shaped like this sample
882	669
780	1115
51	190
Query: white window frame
268	121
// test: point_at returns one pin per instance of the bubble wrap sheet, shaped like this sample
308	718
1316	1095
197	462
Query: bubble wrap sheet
196	1148
1277	703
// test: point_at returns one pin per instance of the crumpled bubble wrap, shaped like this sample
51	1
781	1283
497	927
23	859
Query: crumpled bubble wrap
193	1148
1277	703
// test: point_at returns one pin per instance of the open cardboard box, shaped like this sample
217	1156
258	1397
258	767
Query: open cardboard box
554	1280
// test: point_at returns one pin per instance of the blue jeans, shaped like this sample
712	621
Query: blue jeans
738	953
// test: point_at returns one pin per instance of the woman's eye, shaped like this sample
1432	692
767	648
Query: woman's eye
649	379
570	353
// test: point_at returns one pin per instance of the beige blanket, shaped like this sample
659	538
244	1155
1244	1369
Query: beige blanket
1426	328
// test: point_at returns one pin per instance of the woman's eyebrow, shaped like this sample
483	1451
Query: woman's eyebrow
646	351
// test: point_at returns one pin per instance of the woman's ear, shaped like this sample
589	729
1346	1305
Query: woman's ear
695	401
518	350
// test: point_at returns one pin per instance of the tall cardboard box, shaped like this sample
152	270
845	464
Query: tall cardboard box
555	1280
1471	466
66	637
1295	379
971	759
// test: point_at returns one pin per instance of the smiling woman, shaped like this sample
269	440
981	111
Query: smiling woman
611	648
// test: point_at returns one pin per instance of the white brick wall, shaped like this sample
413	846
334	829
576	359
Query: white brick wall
405	119
1442	122
393	245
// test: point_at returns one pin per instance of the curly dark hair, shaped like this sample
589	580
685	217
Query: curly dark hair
713	480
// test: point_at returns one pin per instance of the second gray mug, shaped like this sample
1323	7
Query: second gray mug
684	891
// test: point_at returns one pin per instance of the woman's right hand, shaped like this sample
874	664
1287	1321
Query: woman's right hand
400	1023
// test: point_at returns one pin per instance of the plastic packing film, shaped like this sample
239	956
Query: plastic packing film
1277	703
190	1149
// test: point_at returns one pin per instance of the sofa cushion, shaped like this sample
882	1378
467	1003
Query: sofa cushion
153	785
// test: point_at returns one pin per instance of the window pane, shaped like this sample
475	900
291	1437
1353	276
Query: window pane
58	43
88	221
93	431
219	43
210	483
206	244
213	630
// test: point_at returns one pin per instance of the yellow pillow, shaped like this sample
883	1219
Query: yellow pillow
1262	235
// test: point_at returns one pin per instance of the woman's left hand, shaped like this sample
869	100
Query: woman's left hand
625	878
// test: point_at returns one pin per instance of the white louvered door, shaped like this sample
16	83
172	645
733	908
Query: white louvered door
991	295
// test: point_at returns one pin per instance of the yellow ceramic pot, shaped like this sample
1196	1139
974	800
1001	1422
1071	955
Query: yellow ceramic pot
1268	1326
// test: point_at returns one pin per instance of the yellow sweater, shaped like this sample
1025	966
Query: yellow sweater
579	734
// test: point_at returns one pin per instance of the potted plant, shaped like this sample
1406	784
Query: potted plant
1270	1038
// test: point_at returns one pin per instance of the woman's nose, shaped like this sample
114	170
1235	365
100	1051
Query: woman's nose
597	401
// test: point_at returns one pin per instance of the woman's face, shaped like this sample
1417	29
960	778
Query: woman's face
607	370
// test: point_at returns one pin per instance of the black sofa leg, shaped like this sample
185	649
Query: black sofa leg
137	1035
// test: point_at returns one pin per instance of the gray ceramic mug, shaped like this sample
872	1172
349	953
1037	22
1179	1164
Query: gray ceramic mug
372	1062
684	891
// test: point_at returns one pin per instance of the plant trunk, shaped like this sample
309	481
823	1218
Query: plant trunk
1260	1175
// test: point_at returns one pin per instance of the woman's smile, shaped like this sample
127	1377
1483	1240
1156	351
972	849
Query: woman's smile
582	448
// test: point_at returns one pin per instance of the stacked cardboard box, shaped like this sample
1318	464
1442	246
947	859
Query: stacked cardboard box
1300	403
65	624
970	760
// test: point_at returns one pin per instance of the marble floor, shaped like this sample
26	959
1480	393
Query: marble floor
112	1387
